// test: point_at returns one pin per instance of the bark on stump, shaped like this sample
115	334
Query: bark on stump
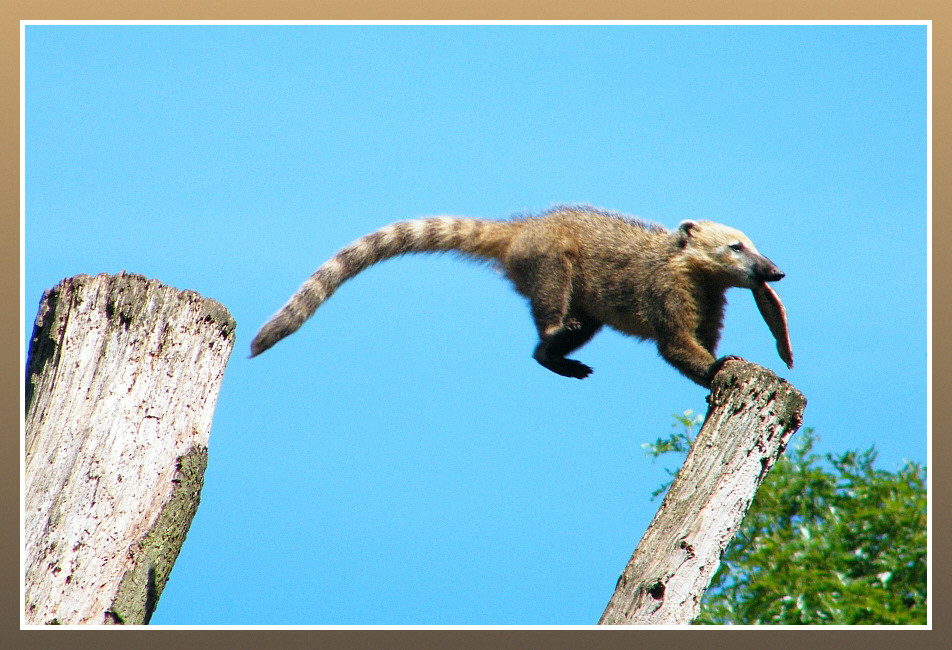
122	379
751	416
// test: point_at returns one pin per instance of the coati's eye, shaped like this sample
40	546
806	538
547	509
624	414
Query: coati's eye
737	247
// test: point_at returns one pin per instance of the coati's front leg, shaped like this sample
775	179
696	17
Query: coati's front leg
686	354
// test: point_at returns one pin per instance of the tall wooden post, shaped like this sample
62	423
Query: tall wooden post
752	414
121	382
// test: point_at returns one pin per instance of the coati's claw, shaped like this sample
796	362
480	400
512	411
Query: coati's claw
719	364
571	324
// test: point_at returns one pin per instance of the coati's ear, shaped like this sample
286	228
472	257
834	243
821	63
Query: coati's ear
687	226
683	233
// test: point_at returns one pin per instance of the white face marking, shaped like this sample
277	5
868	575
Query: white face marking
721	235
726	251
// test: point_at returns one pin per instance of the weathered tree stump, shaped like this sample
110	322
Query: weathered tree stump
122	379
751	416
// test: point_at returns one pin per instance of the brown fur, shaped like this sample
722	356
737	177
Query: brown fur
580	268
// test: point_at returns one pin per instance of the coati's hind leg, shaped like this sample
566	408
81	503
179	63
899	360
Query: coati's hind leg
546	280
553	346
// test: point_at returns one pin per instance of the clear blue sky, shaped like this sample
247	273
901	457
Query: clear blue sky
402	459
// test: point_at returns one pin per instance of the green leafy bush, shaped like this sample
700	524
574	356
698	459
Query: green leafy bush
828	540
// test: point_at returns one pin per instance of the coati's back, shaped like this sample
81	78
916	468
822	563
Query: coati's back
615	261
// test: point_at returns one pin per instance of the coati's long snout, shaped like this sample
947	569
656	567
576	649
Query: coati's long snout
765	271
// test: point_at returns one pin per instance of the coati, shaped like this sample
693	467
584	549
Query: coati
582	268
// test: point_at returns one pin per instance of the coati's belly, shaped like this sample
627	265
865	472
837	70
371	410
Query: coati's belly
626	321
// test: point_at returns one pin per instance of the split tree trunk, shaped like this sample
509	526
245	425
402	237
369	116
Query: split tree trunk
751	416
121	382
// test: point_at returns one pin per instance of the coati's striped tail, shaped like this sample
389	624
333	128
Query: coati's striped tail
474	237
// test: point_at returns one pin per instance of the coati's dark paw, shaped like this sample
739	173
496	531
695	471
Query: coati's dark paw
561	365
573	368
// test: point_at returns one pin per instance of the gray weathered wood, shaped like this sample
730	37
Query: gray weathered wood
751	416
122	379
